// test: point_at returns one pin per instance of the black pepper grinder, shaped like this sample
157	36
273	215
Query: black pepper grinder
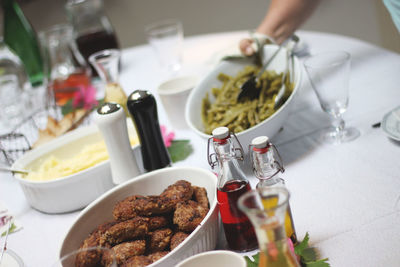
143	109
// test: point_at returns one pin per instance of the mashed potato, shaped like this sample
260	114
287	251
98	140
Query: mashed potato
53	167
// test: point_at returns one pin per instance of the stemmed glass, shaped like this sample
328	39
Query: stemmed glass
329	74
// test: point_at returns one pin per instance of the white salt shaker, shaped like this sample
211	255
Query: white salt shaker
111	120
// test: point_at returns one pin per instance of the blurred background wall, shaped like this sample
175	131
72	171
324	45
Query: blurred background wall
363	19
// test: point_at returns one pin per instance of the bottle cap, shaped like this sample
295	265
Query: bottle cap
220	133
260	142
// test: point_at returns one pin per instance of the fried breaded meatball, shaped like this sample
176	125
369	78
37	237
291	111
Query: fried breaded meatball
125	250
157	255
177	192
177	238
93	257
123	209
188	215
159	240
157	222
140	261
141	206
137	261
126	230
200	195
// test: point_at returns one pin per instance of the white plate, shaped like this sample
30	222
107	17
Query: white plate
391	124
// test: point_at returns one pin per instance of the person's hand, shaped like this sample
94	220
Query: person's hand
246	47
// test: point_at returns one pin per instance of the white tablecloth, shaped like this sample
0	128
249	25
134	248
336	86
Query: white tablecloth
346	196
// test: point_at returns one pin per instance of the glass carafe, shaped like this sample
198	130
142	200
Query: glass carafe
267	164
266	207
106	64
65	75
92	28
232	183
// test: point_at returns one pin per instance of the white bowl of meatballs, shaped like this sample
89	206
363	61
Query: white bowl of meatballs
156	219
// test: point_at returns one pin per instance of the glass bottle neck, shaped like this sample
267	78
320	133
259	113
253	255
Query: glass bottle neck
229	168
107	66
264	164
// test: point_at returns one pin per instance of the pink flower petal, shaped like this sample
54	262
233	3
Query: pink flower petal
167	137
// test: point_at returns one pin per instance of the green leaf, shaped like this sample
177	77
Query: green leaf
67	108
254	263
12	228
309	254
180	150
318	263
298	249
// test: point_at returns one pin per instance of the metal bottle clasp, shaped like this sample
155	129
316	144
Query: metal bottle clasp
278	164
212	157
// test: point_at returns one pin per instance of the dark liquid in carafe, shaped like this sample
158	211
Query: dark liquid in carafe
91	43
239	231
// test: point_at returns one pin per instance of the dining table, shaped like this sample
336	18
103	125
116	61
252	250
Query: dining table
346	196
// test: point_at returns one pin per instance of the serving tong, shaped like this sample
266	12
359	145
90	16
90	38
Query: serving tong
291	45
249	88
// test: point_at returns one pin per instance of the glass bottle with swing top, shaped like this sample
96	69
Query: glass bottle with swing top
267	164
232	183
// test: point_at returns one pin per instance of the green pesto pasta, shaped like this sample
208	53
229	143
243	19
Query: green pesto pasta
241	115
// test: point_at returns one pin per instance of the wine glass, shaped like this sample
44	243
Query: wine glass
91	256
329	74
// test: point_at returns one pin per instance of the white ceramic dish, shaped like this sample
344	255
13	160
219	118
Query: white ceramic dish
11	259
217	258
267	127
203	238
173	94
391	124
71	192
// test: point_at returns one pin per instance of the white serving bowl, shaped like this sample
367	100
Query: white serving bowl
203	238
268	127
216	258
71	192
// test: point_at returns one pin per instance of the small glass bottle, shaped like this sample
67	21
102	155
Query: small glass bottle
232	183
106	64
266	168
267	207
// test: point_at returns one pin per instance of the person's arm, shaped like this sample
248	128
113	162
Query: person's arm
282	19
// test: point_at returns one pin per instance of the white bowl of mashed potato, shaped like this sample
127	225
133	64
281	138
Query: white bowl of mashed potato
268	121
69	172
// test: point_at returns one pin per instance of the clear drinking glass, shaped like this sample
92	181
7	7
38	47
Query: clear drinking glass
266	208
11	100
329	75
92	256
166	38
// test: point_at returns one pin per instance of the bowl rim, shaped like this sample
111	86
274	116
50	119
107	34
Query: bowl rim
213	205
292	95
56	143
215	252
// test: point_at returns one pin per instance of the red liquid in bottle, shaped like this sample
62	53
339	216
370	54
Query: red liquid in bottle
239	231
91	43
